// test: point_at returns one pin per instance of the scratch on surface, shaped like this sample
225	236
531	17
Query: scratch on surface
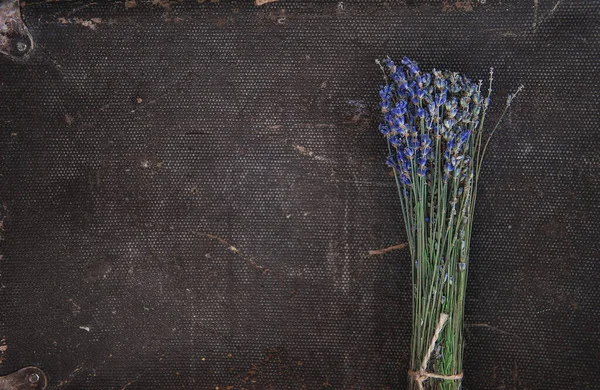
386	250
537	22
555	6
536	6
65	382
235	250
129	384
86	328
305	152
492	328
258	3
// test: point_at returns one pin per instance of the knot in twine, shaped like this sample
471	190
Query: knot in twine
422	375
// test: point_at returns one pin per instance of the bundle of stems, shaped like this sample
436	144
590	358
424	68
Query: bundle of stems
434	127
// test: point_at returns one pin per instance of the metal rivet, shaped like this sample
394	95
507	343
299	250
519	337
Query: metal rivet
34	378
21	46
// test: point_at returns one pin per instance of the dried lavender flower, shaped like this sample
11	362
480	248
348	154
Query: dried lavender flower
433	125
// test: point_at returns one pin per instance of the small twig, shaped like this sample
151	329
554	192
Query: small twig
258	3
222	241
235	250
386	250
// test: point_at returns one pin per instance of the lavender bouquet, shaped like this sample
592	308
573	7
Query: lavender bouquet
434	128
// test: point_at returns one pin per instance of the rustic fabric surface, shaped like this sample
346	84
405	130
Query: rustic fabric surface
190	192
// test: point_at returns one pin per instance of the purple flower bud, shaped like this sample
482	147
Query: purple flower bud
400	156
390	162
398	121
464	102
398	77
413	132
399	110
385	130
389	117
427	79
420	112
425	140
385	92
440	99
413	68
449	123
464	136
455	88
432	108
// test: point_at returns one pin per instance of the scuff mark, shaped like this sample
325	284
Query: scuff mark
86	328
258	3
235	250
386	250
458	5
3	349
89	23
305	152
165	4
76	308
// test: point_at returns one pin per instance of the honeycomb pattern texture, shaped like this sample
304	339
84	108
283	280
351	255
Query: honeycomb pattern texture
190	191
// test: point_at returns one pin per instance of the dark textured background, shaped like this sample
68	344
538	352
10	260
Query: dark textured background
257	125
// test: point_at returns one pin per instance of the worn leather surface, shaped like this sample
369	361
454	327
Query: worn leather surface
190	192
